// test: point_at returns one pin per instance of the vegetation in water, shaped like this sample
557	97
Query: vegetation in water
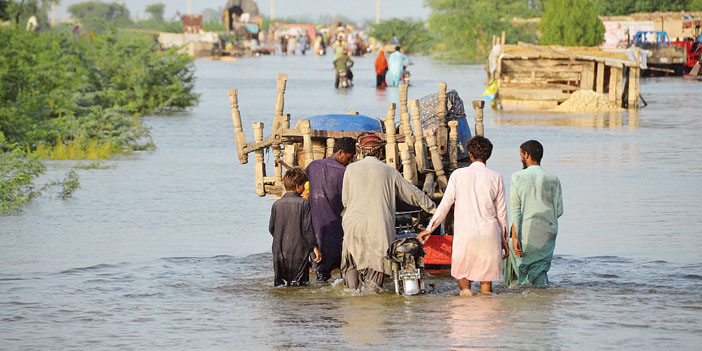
571	23
17	174
69	184
64	96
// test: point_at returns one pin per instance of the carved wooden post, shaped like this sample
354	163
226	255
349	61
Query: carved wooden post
289	155
403	104
453	145
478	106
390	140
442	131
330	146
238	129
280	96
429	184
408	170
306	141
260	166
436	160
420	151
502	41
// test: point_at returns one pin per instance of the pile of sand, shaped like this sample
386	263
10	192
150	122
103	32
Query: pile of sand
586	101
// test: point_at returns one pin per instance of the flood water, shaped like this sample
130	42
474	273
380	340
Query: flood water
170	249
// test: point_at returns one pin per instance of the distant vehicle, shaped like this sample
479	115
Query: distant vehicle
692	45
666	58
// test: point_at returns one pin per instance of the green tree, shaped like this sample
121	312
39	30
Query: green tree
464	29
20	11
156	11
4	7
97	10
695	5
412	34
571	23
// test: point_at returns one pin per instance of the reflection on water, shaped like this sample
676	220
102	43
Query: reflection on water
169	250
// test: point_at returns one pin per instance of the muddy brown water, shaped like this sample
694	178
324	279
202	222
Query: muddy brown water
170	250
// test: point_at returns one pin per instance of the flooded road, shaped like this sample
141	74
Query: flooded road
170	249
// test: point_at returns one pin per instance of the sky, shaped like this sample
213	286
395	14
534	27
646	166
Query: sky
353	9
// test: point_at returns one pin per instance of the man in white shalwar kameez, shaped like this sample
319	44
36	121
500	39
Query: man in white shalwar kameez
480	219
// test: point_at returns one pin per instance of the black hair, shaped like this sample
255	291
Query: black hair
347	144
294	177
480	147
397	48
534	149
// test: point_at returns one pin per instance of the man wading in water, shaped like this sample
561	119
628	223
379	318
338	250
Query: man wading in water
536	202
369	191
326	177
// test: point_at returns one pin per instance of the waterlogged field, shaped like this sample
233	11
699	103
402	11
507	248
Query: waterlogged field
169	249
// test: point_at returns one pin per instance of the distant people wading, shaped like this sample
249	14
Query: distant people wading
536	202
369	192
480	219
326	178
381	68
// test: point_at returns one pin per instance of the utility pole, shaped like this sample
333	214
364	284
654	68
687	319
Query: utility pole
53	15
377	11
272	9
189	8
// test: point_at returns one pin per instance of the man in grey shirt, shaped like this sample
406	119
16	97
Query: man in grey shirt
368	194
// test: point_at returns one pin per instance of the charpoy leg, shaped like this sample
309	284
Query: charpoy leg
485	287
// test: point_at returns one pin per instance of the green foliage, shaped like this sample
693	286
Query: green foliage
4	10
625	7
20	11
156	10
58	88
17	173
464	29
98	10
412	34
69	184
571	23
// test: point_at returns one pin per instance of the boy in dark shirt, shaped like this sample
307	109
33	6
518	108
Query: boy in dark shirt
293	236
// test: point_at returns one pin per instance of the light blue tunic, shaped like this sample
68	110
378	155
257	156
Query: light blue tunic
536	202
396	64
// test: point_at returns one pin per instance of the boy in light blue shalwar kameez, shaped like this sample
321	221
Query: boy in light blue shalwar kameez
536	202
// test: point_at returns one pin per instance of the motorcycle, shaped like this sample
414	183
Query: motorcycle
407	255
343	79
405	76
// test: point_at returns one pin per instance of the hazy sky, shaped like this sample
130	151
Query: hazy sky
354	9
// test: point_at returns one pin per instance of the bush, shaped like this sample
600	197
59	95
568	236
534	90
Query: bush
57	87
412	34
571	23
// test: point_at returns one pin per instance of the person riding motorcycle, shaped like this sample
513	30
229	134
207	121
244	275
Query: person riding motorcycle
342	63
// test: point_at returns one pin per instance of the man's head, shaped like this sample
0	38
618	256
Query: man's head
398	48
369	144
345	52
294	180
479	148
344	150
531	152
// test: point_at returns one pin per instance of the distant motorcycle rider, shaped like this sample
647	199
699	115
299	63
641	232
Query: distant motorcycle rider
341	63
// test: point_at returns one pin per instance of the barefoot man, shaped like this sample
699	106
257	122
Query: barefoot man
536	202
480	219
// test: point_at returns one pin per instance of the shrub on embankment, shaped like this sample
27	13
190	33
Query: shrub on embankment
63	96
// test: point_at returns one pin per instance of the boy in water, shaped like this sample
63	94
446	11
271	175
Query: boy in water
293	236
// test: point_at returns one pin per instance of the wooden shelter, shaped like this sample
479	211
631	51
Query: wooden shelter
426	157
545	76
